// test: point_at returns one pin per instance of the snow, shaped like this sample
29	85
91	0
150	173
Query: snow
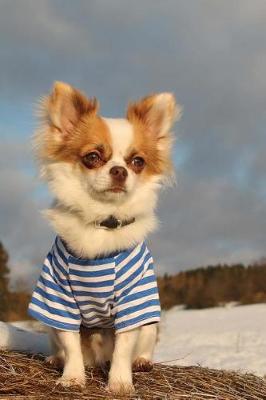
231	338
18	339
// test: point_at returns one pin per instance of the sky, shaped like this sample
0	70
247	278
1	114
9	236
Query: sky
210	53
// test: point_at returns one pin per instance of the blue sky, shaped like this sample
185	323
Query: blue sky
210	53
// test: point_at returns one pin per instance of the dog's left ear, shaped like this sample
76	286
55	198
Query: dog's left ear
157	112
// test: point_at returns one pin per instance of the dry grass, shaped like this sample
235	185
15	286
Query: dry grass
27	377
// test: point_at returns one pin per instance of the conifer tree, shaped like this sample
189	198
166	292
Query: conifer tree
4	272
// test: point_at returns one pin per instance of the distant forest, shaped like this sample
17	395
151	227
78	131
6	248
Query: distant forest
13	305
214	285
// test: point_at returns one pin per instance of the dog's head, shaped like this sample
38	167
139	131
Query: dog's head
87	157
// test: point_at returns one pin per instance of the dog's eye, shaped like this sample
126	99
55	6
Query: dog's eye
138	163
92	160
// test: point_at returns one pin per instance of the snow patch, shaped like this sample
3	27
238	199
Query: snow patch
18	339
231	338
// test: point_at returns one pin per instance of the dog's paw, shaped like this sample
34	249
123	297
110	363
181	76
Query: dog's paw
55	361
69	381
120	388
142	365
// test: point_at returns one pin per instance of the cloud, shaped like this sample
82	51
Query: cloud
211	54
22	230
208	222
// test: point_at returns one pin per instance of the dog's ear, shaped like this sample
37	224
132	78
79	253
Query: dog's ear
65	106
157	112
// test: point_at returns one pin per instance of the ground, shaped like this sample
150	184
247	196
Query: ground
29	378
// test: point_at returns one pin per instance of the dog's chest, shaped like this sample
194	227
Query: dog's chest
100	285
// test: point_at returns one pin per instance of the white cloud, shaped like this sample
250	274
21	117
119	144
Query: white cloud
210	53
209	221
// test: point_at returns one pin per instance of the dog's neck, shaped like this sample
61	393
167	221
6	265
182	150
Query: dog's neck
73	216
86	240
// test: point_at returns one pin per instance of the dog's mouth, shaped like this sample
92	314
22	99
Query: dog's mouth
117	189
112	193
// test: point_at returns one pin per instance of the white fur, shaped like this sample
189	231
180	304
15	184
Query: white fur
132	346
148	336
120	375
82	200
74	371
122	137
74	216
97	347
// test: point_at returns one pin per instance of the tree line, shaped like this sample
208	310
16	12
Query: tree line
215	285
13	304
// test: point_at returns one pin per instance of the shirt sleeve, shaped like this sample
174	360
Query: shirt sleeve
52	301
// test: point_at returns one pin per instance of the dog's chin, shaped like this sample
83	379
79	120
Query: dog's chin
112	194
116	189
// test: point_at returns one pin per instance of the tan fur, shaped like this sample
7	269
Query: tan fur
153	139
71	127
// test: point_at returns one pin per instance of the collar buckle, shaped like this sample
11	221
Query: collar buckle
112	223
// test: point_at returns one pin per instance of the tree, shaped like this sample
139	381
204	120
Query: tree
4	280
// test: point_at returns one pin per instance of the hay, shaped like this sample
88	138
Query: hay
28	377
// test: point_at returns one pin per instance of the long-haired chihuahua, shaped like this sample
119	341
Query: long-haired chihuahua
97	290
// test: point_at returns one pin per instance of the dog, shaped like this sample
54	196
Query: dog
97	291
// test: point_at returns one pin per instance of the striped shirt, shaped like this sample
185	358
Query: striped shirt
117	291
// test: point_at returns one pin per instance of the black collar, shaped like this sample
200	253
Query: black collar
113	223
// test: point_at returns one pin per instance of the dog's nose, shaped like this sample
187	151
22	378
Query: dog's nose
119	173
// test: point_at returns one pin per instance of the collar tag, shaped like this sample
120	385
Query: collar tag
112	223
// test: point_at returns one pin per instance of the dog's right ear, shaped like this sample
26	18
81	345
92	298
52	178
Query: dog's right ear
65	106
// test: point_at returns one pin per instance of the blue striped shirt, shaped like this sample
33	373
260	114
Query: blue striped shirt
118	291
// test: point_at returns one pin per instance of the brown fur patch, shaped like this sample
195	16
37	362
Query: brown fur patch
91	133
71	127
146	145
153	141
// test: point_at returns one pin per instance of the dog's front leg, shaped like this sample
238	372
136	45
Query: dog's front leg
148	337
120	375
74	371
